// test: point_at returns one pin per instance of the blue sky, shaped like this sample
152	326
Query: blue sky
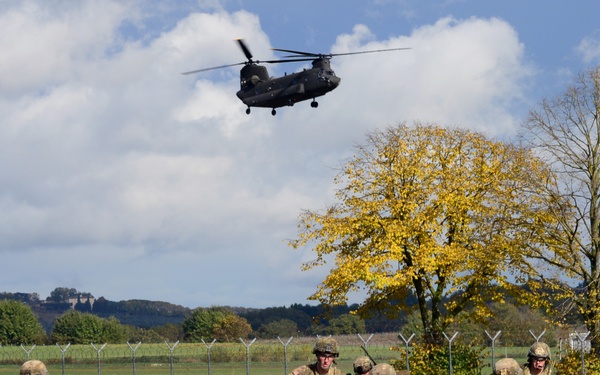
123	178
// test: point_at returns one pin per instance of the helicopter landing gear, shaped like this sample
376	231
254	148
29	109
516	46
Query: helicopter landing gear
248	110
314	104
273	112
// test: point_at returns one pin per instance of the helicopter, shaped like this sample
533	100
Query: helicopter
258	89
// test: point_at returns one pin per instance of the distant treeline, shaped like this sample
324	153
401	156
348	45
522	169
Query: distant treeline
149	314
307	317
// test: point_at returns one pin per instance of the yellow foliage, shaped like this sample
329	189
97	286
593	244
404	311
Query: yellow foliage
429	210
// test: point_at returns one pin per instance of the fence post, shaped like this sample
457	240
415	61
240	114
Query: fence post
450	350
247	354
208	352
63	355
493	346
406	342
133	354
171	348
27	351
98	352
285	362
537	338
365	342
560	342
582	343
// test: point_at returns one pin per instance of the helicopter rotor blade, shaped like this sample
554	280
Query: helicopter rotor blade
371	51
245	49
330	55
248	63
286	60
213	68
296	53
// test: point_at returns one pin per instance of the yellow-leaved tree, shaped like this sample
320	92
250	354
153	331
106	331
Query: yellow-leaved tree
440	213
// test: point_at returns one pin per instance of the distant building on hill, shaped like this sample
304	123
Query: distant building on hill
83	298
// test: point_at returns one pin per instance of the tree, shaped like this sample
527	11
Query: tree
169	331
19	325
278	328
430	211
28	298
231	328
62	294
299	314
515	322
566	130
84	328
215	322
346	324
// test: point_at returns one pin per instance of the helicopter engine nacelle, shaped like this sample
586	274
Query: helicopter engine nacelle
252	74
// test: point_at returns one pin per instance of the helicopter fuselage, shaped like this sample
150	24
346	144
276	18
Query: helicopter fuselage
258	90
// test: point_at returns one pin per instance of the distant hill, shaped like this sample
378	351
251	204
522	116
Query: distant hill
141	313
138	313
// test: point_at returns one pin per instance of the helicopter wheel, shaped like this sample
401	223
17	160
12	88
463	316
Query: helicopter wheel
248	110
273	112
314	104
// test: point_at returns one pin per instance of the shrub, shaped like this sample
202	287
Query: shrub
434	360
571	364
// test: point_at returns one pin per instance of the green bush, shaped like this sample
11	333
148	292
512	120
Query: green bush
571	364
434	360
19	325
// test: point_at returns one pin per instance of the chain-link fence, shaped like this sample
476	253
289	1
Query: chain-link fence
257	357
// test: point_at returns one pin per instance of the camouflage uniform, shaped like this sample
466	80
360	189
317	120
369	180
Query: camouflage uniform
312	370
539	350
507	366
33	367
383	369
325	345
546	371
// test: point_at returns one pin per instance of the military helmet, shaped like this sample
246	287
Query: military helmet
539	350
326	345
362	365
383	369
33	367
507	366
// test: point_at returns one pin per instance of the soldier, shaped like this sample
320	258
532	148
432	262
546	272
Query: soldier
538	360
507	366
326	350
33	367
383	369
362	365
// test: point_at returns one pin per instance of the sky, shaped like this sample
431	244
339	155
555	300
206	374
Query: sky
123	178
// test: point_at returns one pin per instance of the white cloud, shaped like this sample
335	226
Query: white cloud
589	48
45	43
465	73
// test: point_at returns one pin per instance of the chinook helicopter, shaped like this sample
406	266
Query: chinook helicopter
258	89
